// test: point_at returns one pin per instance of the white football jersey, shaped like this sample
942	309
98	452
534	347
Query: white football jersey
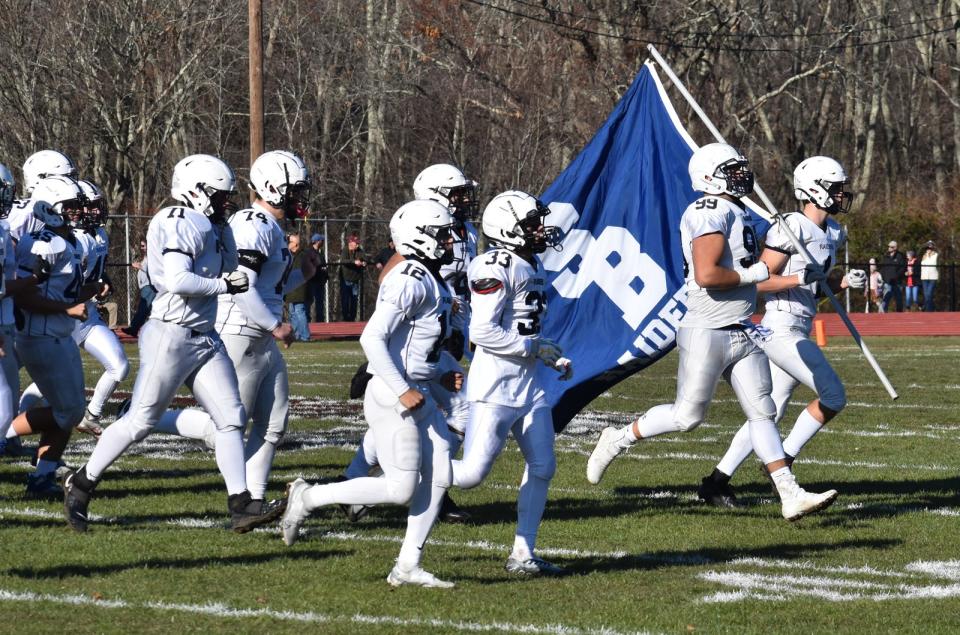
464	252
716	308
425	303
21	218
183	230
262	248
8	269
63	285
822	243
508	301
93	248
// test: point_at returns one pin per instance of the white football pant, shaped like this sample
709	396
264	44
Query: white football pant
265	394
105	347
414	452
172	356
706	355
532	427
794	359
55	366
9	380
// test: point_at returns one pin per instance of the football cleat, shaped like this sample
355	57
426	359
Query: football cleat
90	424
608	448
75	501
43	486
355	512
247	514
796	502
296	512
450	512
416	576
766	473
533	567
717	494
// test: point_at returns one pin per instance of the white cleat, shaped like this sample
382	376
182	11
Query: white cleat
533	566
295	513
417	576
607	450
797	502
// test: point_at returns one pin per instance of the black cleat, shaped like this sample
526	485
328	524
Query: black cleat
717	493
247	514
450	512
76	497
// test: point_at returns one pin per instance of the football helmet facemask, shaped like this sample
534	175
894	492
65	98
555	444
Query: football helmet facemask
40	165
206	184
424	229
281	179
448	186
95	207
515	220
822	181
58	200
7	190
718	168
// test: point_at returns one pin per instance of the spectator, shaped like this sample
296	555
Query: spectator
352	263
875	286
297	299
147	293
893	268
913	281
384	256
317	285
929	274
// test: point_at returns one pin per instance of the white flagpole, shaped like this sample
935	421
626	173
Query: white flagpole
773	215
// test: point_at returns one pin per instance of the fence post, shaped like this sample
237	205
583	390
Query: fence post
326	258
126	270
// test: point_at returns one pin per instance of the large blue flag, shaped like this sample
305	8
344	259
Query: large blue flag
616	291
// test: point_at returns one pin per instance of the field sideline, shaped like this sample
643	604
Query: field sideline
646	556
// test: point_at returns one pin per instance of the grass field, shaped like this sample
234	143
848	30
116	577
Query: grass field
645	555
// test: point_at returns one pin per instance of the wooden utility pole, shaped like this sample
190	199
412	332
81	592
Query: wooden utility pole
256	78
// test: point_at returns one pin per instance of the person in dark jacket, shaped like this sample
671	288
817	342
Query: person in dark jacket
893	270
352	263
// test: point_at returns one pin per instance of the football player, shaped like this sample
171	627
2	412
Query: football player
716	337
791	304
38	166
448	186
50	310
10	376
507	283
192	260
402	342
251	323
93	335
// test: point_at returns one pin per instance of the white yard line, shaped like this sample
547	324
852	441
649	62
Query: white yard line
224	611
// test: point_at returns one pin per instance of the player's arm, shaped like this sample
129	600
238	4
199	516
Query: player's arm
776	260
707	251
250	301
488	300
181	280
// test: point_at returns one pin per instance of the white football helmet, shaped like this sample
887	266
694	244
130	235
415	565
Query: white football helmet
515	220
448	186
206	184
40	165
7	190
821	181
718	168
57	200
281	179
94	205
423	229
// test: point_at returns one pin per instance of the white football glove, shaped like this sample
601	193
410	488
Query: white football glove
565	367
237	282
856	278
754	274
549	351
812	272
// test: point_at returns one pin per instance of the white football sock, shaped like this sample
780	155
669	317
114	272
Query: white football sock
229	453
766	440
11	432
530	505
657	420
259	464
803	430
190	423
365	490
740	448
424	509
104	388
